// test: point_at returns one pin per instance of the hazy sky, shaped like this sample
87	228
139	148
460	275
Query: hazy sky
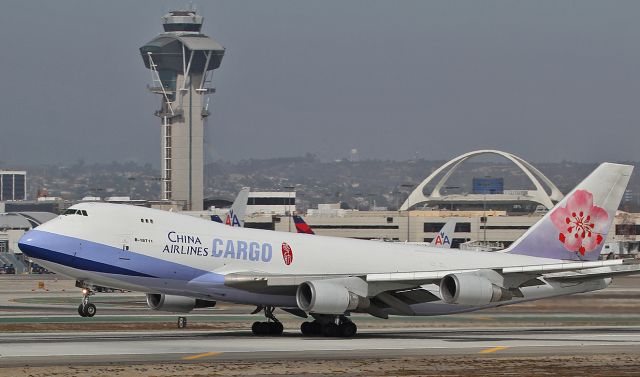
546	80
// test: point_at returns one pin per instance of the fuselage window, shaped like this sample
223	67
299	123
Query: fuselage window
84	213
70	212
141	220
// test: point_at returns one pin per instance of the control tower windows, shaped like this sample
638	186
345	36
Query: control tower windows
168	79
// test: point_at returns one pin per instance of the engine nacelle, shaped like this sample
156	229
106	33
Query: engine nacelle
471	289
176	304
326	297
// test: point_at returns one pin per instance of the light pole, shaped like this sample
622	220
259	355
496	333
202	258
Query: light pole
408	186
289	190
446	189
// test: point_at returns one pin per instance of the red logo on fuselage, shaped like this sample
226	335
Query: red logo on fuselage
287	253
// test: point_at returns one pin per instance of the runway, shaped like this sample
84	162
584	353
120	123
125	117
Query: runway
44	349
41	334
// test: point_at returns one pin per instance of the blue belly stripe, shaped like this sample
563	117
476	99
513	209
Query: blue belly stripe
75	262
96	257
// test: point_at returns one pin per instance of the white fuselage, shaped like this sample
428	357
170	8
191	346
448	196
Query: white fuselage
162	252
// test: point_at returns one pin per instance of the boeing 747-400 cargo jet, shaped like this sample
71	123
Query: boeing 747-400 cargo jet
183	263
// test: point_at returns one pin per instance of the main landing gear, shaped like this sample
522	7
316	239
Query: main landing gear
86	309
330	326
271	327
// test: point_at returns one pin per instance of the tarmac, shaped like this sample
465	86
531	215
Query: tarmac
43	349
40	329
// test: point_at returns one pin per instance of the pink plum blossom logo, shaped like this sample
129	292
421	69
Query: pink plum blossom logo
581	224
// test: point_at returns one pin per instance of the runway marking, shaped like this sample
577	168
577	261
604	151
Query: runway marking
494	349
201	355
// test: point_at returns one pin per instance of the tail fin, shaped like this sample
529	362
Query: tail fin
302	226
444	237
575	229
235	217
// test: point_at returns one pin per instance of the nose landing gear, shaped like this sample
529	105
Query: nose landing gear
86	309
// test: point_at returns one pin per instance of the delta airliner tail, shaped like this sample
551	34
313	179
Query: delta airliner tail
302	226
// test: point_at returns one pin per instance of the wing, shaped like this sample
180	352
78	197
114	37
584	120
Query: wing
401	290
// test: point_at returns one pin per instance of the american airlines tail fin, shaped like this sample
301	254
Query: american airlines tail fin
235	216
445	235
302	226
575	229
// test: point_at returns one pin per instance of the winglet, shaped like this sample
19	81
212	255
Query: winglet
575	229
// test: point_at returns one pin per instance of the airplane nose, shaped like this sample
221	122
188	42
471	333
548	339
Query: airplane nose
30	244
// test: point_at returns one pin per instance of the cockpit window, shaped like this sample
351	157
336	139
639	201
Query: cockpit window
71	211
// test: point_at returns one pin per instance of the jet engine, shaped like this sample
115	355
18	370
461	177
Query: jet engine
176	304
327	297
471	289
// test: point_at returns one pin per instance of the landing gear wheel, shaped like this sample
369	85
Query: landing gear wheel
306	328
271	327
182	322
89	310
262	328
330	330
256	327
311	328
86	309
348	329
275	328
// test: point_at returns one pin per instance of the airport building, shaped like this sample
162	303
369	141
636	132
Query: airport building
182	60
13	185
12	226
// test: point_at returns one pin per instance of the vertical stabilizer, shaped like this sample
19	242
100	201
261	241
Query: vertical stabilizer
445	235
302	226
575	229
236	214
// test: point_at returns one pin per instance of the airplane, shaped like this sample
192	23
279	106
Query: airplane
235	216
182	263
442	239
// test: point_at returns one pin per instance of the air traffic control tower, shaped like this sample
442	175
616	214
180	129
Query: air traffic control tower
182	60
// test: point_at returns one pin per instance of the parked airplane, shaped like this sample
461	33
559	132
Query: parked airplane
235	216
183	263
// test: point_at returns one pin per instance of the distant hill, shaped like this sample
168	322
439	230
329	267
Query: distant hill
358	184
